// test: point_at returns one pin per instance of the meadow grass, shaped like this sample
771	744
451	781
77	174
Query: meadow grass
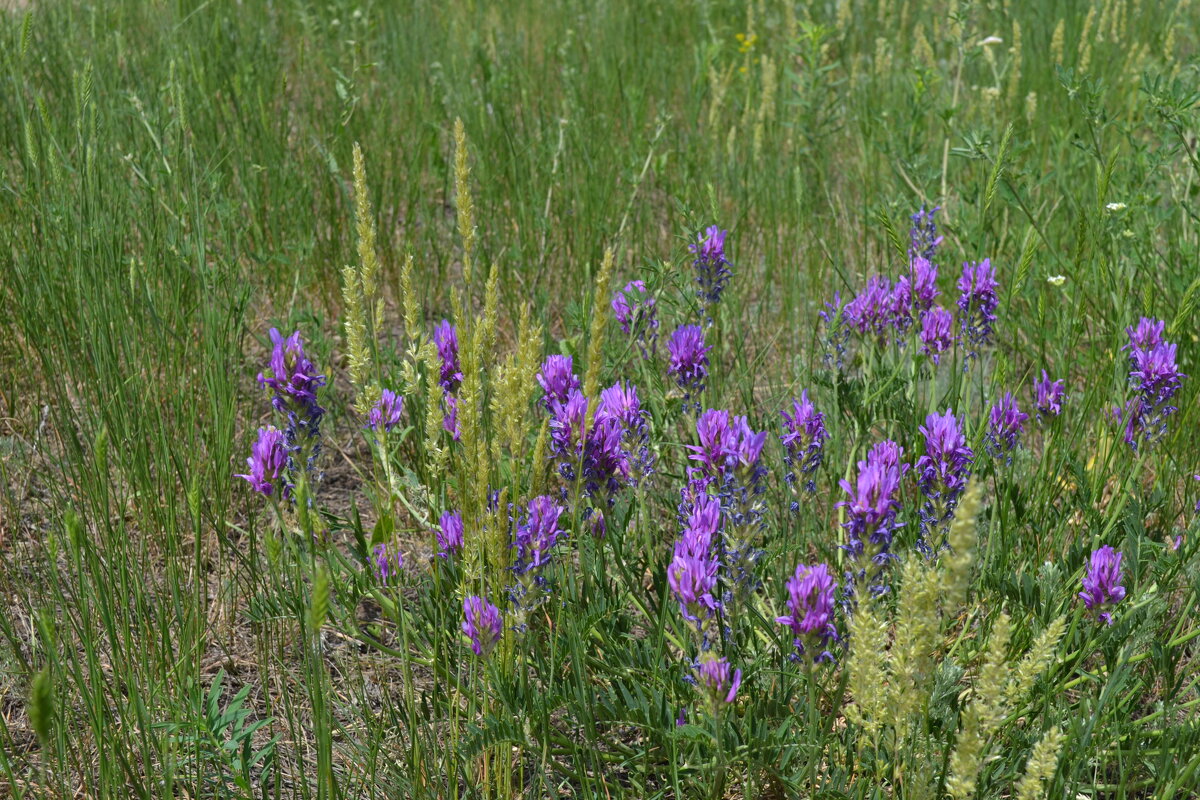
176	178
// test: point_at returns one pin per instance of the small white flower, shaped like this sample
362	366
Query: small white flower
1056	280
1115	207
990	41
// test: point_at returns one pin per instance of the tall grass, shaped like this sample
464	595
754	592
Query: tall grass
177	177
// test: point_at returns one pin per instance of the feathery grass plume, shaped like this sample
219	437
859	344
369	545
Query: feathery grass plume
917	625
845	10
412	303
318	605
463	201
1043	762
41	707
1014	69
1036	661
491	302
868	642
766	105
883	57
1169	42
983	715
955	572
1056	42
1031	107
368	259
922	51
600	311
1105	23
718	85
357	352
513	383
1085	40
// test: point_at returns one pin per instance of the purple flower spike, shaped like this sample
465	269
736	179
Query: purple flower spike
978	302
293	378
387	566
872	311
386	412
1147	335
924	240
936	333
1048	397
803	438
637	314
450	534
688	360
450	416
810	603
1006	423
482	624
943	471
874	503
445	337
715	679
1155	373
712	268
1102	587
267	460
557	379
924	283
537	535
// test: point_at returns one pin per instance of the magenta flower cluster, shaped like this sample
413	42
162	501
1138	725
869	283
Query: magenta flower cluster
387	412
692	574
803	439
711	266
1006	423
688	362
635	311
1049	397
1155	377
943	471
1102	587
810	611
445	338
449	533
482	623
873	501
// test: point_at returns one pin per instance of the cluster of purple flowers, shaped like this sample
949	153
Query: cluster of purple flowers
943	471
1155	377
873	503
536	535
449	534
718	680
293	381
1006	423
482	623
636	312
810	606
387	563
387	412
977	303
1049	397
936	333
445	338
614	452
557	378
692	574
803	439
1102	587
688	362
268	458
712	268
923	237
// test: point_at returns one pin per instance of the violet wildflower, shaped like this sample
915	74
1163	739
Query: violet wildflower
810	607
873	504
445	337
1155	373
387	566
557	379
386	412
837	333
923	238
943	471
936	336
1048	397
482	623
714	677
688	361
803	441
621	403
294	382
924	283
712	268
537	535
978	302
1102	587
692	579
871	312
1006	423
900	304
1146	335
449	533
637	314
268	458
